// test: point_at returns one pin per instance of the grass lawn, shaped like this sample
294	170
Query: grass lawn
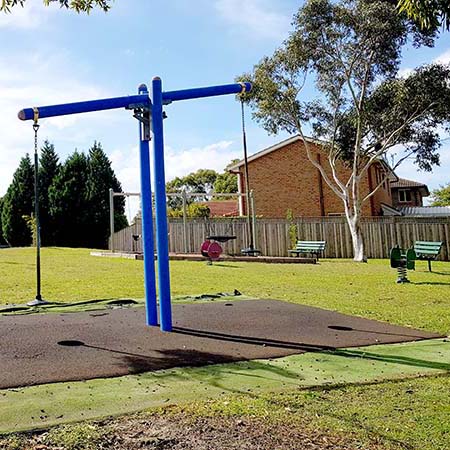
367	290
401	414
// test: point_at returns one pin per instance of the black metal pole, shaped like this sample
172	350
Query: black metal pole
247	181
38	299
38	226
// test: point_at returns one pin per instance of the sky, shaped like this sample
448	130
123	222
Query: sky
50	56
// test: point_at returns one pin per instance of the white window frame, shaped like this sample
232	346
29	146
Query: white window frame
403	193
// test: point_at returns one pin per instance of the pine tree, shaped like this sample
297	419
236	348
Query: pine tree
48	169
18	202
68	202
101	178
2	240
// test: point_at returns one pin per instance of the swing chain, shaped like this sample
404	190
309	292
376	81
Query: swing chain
36	128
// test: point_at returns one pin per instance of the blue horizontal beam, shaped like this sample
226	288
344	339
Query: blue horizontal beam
211	91
86	106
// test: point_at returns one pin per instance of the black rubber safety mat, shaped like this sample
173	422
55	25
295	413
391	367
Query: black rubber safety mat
37	349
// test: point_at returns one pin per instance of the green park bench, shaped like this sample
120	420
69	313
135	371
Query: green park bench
309	247
427	250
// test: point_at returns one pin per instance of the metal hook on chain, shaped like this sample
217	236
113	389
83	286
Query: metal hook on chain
35	127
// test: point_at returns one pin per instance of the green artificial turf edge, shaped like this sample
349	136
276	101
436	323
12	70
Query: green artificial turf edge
45	405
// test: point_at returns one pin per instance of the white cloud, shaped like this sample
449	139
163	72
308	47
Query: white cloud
438	177
39	85
444	58
33	15
255	18
405	73
178	163
215	156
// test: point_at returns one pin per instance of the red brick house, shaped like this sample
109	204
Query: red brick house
222	208
282	178
407	193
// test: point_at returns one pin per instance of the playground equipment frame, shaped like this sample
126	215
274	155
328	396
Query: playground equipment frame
184	196
148	110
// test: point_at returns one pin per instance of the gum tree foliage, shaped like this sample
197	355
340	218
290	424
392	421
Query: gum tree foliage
18	203
100	179
351	51
193	210
77	5
441	197
205	181
201	181
428	14
226	182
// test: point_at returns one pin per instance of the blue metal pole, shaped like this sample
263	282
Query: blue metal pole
210	91
151	311
165	309
129	101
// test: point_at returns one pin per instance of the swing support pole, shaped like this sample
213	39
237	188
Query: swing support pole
149	111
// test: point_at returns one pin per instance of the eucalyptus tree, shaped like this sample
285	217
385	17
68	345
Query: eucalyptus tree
350	51
441	196
429	14
76	5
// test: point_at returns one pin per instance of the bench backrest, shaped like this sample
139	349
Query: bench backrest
315	246
427	248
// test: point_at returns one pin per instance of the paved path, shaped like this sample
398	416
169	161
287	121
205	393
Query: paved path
117	342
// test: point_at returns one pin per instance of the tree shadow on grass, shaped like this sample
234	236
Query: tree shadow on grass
395	359
227	266
302	347
213	363
103	303
173	358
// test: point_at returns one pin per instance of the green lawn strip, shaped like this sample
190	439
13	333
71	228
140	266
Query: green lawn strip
401	414
367	290
50	404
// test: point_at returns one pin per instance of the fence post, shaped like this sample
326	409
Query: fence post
184	197
252	205
111	218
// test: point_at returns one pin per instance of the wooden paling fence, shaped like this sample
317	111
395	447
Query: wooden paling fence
272	235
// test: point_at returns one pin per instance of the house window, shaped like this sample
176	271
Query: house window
404	195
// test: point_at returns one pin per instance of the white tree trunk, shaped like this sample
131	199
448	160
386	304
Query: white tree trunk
353	221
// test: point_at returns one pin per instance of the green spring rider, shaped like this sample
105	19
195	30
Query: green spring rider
403	261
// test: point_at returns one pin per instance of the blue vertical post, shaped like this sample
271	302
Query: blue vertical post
162	243
151	312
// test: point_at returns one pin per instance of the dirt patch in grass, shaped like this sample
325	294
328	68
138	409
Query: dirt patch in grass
176	432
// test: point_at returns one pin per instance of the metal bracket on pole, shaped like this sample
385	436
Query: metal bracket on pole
143	114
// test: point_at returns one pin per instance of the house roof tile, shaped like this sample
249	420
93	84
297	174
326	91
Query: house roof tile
404	183
273	148
421	211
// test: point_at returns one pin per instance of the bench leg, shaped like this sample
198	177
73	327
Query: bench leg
429	265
